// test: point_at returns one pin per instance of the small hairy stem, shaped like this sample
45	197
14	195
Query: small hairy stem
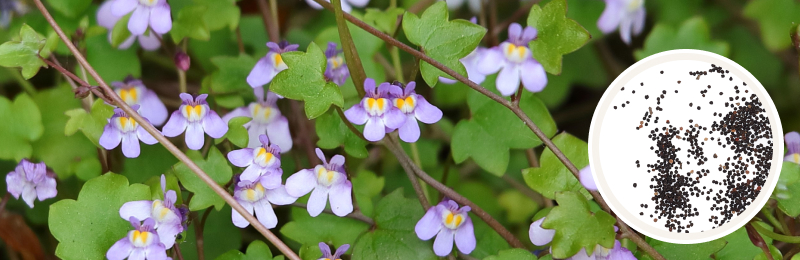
357	215
65	72
782	219
395	148
4	201
772	220
198	233
273	11
164	141
350	54
515	99
182	81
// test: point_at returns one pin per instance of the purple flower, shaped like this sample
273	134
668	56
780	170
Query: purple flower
516	61
326	251
326	179
540	236
195	117
122	127
415	107
587	179
792	140
168	219
618	252
107	19
133	92
346	4
446	221
254	196
267	67
140	243
153	13
10	8
267	119
376	110
336	70
263	162
628	15
31	180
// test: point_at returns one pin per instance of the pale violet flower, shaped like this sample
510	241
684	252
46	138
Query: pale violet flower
377	111
792	140
105	18
326	251
336	71
140	243
474	5
168	218
347	5
587	179
9	9
31	181
254	197
267	67
263	162
133	92
326	180
123	128
540	236
195	117
154	14
515	62
447	222
415	107
267	119
627	15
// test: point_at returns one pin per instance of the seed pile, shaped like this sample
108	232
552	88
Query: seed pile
681	176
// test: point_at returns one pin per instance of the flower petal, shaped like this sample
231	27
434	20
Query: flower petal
625	28
792	140
611	16
167	233
161	18
638	21
122	7
491	61
130	145
279	196
369	85
430	223
151	106
156	251
534	79
265	214
29	194
175	126
145	136
242	111
110	138
356	114
514	31
105	17
137	254
253	132
358	3
426	112
587	180
278	132
301	183
15	182
238	219
394	118
540	236
314	4
317	200
261	74
465	237
409	132
213	125
508	80
374	130
341	200
120	250
140	209
150	42
241	157
139	20
443	243
194	136
252	173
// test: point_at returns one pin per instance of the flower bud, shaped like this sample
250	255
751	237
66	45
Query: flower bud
182	60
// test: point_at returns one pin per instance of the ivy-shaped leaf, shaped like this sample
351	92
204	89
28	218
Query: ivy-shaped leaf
394	237
228	84
323	228
512	254
305	80
190	23
557	34
366	188
577	227
384	21
257	250
689	251
120	32
216	166
23	127
692	34
552	176
87	227
443	40
225	13
237	134
23	52
91	124
787	191
775	18
493	130
333	133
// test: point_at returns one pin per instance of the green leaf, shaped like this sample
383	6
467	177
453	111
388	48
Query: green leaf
581	68
493	130
237	134
488	241
120	32
552	176
112	64
366	187
87	227
512	254
231	78
775	18
748	51
52	145
443	40
216	166
69	8
304	80
787	191
323	228
190	22
739	245
153	161
690	251
519	208
394	237
774	251
23	52
384	21
225	13
90	124
692	34
557	34
577	227
219	235
23	126
333	133
257	250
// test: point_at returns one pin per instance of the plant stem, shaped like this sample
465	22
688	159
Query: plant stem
198	234
272	28
178	254
357	215
4	201
27	86
533	161
757	240
398	66
181	81
164	141
418	162
239	42
350	54
772	220
776	236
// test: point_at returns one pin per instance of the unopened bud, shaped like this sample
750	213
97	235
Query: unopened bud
182	61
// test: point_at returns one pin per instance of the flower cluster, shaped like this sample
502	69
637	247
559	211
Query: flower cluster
388	107
328	182
267	67
107	19
31	181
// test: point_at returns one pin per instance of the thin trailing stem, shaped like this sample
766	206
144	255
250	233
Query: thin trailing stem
397	65
239	41
641	243
272	27
4	201
776	236
418	162
349	125
357	215
393	146
177	251
350	54
164	141
772	220
83	83
199	226
757	240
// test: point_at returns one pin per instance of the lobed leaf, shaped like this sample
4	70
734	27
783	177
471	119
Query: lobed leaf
24	51
23	127
552	176
304	80
216	166
557	34
577	227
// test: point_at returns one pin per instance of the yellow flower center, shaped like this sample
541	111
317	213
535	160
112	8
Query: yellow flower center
130	96
126	124
263	158
336	61
407	104
277	61
141	238
375	106
148	2
194	113
451	220
263	114
255	194
326	177
161	213
634	5
515	53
